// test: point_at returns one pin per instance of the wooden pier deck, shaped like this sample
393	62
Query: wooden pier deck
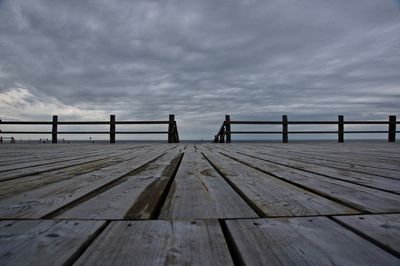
200	204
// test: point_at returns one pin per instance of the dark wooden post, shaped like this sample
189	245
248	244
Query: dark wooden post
228	128
392	128
176	135
284	129
171	128
54	129
112	128
340	128
222	134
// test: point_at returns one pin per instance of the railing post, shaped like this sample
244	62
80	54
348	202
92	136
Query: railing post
284	129
176	135
54	129
171	128
340	128
228	128
222	135
392	128
112	128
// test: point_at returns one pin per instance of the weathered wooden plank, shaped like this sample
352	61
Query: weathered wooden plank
29	171
14	186
348	166
34	153
44	242
272	196
378	154
356	196
45	161
99	190
373	181
383	228
17	173
159	243
46	200
198	191
38	155
136	197
303	241
349	162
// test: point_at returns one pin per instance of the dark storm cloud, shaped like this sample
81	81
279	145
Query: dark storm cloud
199	59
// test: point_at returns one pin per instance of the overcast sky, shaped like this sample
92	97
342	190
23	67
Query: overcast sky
199	60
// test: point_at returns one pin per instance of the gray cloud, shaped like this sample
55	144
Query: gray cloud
200	60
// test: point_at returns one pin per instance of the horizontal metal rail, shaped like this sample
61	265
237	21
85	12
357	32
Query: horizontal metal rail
173	136
225	131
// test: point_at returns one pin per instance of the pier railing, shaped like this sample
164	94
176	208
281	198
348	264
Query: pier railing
225	131
173	136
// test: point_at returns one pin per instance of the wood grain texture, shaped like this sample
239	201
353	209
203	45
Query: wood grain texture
303	241
159	243
18	185
198	191
44	242
377	156
42	201
136	197
77	160
344	164
18	159
359	197
48	160
384	228
273	196
132	185
346	175
11	187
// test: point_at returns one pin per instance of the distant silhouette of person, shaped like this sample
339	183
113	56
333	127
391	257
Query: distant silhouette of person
1	140
12	140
